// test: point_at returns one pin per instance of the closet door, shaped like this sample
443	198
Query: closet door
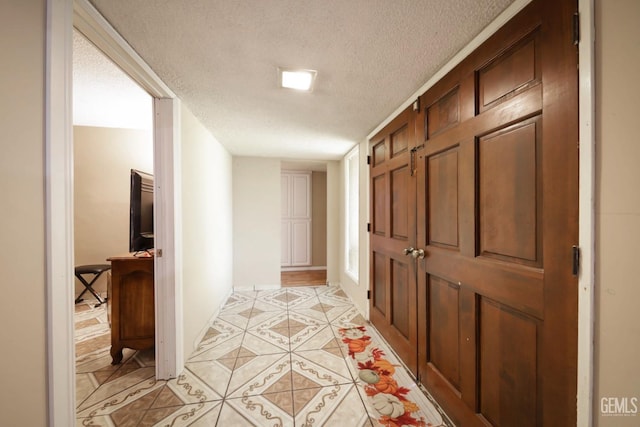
296	219
497	217
392	306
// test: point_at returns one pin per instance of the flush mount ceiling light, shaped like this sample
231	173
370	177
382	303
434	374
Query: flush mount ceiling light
296	79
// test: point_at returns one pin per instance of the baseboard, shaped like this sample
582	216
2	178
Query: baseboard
266	287
307	268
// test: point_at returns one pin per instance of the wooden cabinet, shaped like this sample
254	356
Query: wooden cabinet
131	304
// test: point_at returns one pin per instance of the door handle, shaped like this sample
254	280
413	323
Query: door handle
418	253
408	251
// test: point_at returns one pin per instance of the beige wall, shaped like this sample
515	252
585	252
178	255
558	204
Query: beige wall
103	159
617	328
318	219
256	222
206	227
23	395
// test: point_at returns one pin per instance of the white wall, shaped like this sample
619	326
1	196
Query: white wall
256	222
206	228
103	159
23	395
617	323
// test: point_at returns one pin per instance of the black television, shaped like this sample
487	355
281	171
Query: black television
141	212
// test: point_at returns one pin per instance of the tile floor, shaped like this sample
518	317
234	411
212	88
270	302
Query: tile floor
299	356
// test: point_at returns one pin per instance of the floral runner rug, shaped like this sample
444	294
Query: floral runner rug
390	391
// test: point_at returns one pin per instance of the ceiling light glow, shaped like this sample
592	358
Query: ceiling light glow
297	79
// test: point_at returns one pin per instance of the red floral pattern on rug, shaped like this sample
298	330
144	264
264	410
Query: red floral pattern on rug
386	396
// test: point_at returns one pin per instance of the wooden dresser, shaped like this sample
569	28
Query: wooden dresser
130	304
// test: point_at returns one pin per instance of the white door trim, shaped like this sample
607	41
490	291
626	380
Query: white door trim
168	239
59	214
586	213
62	15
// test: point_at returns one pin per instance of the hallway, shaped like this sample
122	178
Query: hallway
298	356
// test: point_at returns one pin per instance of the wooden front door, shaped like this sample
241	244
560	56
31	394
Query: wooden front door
496	177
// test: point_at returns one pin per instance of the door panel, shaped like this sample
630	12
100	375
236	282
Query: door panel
379	288
444	329
399	203
300	242
401	292
508	362
490	172
442	182
508	194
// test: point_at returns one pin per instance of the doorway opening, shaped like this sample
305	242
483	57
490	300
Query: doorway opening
113	134
304	223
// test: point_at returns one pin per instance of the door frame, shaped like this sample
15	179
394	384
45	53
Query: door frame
586	237
62	16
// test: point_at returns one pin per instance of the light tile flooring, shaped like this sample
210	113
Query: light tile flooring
300	356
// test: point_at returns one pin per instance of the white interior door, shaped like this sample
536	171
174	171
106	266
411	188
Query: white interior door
296	219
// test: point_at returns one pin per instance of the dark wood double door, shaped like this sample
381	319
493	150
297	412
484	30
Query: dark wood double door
474	215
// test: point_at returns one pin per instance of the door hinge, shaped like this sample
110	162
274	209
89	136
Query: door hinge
368	160
576	28
368	227
368	294
158	253
576	260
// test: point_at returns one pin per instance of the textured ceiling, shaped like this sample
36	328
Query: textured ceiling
221	57
103	95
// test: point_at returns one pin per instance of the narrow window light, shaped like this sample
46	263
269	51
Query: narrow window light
297	79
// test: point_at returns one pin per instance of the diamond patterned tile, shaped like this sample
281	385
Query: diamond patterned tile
214	373
237	303
322	337
347	318
219	332
267	319
254	375
313	311
320	367
300	335
267	343
337	405
106	400
257	411
298	319
198	414
271	357
218	349
240	319
275	337
198	386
